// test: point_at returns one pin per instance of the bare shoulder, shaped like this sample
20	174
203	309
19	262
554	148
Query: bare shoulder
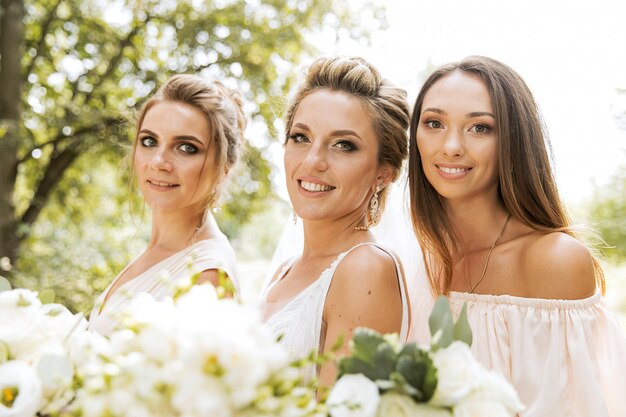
558	266
365	276
372	266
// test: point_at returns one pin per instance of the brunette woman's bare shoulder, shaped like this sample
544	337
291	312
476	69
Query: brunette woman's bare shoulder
557	266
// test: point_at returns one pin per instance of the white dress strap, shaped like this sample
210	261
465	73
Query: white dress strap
405	324
299	321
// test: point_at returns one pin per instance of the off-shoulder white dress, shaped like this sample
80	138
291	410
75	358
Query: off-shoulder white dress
299	321
160	279
564	357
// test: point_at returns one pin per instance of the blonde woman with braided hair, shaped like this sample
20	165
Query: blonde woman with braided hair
345	143
188	138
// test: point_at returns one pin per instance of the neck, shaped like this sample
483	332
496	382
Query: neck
476	224
329	238
175	230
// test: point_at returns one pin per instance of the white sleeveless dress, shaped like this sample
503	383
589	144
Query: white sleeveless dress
160	279
299	321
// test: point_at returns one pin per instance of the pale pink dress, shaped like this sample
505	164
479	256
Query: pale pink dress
564	357
160	280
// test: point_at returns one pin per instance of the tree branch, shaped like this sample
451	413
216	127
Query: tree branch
60	137
54	172
42	39
114	61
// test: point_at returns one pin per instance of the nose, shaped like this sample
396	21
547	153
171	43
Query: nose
315	159
453	144
160	161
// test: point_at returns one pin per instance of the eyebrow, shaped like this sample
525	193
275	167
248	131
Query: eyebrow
341	132
467	116
189	138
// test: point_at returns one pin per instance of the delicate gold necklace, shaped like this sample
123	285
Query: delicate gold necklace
482	275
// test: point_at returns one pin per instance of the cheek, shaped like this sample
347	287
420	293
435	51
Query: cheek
138	161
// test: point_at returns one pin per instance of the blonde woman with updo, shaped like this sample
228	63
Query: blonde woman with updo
345	143
188	138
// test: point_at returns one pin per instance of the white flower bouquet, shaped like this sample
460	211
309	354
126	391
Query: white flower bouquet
190	356
36	358
382	378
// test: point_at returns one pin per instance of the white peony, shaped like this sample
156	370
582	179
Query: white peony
21	382
396	405
353	395
20	321
481	407
492	387
457	374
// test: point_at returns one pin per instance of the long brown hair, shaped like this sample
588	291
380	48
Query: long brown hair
526	185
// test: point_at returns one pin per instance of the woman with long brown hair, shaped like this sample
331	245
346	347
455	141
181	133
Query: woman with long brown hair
495	235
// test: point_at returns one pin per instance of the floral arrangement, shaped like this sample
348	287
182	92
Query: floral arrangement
382	377
197	355
192	355
36	366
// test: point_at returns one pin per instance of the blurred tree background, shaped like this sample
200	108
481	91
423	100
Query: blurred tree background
607	211
71	75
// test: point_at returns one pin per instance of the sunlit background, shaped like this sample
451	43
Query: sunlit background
87	65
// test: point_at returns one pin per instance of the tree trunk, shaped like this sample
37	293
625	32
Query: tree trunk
11	52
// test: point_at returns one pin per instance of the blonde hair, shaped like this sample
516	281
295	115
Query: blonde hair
386	104
223	110
526	184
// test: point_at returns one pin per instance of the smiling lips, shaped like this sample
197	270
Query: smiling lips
452	172
162	184
314	187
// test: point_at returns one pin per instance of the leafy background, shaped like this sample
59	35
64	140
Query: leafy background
72	73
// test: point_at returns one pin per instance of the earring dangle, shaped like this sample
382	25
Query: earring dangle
374	207
374	211
294	216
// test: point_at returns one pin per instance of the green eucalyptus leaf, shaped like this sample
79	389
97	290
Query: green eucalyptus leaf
5	285
365	343
430	381
352	365
441	323
418	369
398	383
46	296
462	330
384	361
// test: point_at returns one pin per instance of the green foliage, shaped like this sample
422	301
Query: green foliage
444	329
607	211
418	370
88	65
404	369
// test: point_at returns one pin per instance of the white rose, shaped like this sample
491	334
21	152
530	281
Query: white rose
457	374
19	321
198	395
480	407
354	395
396	405
18	376
494	388
56	373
